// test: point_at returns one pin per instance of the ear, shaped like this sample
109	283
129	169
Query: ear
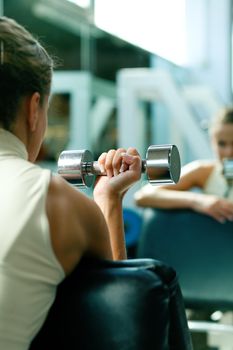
33	111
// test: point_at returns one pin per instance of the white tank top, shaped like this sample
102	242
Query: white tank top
216	184
29	269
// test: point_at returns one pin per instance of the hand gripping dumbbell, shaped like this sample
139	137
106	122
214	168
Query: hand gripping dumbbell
162	165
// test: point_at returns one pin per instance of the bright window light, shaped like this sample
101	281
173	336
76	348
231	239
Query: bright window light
158	26
81	3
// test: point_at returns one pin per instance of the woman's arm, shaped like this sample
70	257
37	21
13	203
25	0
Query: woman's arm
122	172
80	226
177	195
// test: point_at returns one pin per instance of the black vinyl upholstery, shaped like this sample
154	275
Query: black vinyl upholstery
200	250
117	305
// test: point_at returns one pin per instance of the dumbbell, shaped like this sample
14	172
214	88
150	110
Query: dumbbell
228	174
162	166
228	168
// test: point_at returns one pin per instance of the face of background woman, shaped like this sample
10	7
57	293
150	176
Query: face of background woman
222	139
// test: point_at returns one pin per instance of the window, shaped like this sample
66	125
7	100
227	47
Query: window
158	26
81	3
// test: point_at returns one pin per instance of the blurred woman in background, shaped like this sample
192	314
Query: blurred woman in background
216	197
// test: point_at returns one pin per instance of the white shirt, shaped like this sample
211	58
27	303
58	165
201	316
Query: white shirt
29	269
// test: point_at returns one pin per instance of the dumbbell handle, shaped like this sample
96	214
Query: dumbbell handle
93	168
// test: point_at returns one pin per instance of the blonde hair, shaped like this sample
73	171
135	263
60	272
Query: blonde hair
224	116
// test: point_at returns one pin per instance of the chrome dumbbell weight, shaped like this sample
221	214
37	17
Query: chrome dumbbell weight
162	165
228	168
228	174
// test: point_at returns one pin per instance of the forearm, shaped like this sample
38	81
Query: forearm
111	208
123	169
167	199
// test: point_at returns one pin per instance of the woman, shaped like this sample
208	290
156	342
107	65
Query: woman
216	197
46	225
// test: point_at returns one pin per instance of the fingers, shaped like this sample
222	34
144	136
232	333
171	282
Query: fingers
128	158
118	161
111	161
221	219
224	216
101	161
132	151
132	161
223	212
227	210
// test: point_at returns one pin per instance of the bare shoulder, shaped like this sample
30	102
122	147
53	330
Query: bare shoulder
65	200
196	173
60	190
73	218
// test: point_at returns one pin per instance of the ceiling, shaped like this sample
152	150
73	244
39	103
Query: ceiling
92	50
